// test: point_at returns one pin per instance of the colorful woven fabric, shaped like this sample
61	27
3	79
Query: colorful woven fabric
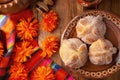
7	25
8	29
60	73
37	60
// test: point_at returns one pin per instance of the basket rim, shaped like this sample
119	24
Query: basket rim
110	16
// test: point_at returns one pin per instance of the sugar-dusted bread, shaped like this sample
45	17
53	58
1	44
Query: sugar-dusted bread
73	52
90	28
101	51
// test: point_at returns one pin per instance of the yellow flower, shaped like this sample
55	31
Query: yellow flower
43	73
50	45
27	29
50	21
22	51
18	72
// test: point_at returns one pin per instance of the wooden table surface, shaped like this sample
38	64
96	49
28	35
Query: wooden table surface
66	10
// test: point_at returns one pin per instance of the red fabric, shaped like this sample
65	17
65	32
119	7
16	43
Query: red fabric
46	62
61	74
3	65
14	18
4	62
24	14
34	61
34	43
2	72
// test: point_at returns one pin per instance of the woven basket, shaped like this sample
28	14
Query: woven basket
112	33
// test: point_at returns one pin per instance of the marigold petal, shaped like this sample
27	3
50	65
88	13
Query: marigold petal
43	73
50	45
50	21
22	51
27	29
18	72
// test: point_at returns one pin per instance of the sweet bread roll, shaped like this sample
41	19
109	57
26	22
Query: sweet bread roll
101	51
73	52
90	28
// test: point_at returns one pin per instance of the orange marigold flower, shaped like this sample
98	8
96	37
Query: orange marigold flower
50	21
1	50
43	73
50	45
22	51
18	72
27	29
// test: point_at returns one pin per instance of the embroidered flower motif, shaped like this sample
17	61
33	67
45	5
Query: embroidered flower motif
43	73
50	45
27	29
22	51
18	72
50	21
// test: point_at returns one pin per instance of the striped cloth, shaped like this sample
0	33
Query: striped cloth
60	73
7	27
38	60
